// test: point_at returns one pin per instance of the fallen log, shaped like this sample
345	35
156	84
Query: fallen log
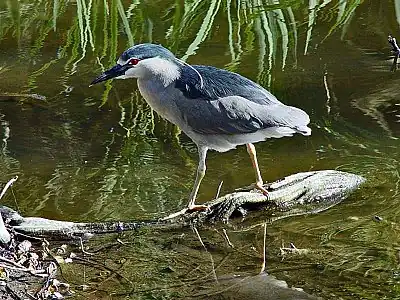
298	194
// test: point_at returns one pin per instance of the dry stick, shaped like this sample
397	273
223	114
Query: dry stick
9	183
5	234
219	189
83	249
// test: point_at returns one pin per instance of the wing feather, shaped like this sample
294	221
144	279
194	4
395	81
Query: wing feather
229	103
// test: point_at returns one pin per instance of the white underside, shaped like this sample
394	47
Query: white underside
225	142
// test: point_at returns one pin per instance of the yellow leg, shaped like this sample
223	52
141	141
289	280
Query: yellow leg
201	171
253	156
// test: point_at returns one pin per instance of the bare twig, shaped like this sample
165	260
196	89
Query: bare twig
82	247
219	189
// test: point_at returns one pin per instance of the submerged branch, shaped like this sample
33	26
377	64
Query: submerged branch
298	194
22	95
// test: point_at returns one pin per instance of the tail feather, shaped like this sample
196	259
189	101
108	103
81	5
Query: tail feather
304	130
293	118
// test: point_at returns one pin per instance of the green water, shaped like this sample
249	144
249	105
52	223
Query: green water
99	153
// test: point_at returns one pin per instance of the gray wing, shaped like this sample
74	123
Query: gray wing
228	103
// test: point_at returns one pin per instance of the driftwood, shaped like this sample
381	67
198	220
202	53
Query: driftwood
298	194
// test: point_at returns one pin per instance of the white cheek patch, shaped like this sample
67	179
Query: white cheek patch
166	70
134	72
121	77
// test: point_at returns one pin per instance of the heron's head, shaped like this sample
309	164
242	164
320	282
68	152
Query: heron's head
143	61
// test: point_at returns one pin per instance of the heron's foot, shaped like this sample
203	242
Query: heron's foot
260	187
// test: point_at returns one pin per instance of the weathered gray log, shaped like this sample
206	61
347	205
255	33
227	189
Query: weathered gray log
298	194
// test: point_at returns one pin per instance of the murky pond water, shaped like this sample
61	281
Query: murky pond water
100	153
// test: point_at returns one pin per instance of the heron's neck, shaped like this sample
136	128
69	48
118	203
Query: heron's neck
164	70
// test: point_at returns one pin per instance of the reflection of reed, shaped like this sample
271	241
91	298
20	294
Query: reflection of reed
125	22
204	28
272	21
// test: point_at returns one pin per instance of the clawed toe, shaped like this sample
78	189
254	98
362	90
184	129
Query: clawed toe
260	187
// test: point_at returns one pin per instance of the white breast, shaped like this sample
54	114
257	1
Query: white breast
158	99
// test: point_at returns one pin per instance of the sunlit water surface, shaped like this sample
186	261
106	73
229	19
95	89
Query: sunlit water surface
100	153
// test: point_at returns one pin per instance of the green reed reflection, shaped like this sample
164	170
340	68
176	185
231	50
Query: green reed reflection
267	29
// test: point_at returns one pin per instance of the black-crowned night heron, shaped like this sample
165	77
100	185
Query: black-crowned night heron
216	108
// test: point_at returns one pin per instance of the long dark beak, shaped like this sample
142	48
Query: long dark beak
115	71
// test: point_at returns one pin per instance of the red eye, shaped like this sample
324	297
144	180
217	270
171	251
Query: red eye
133	61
